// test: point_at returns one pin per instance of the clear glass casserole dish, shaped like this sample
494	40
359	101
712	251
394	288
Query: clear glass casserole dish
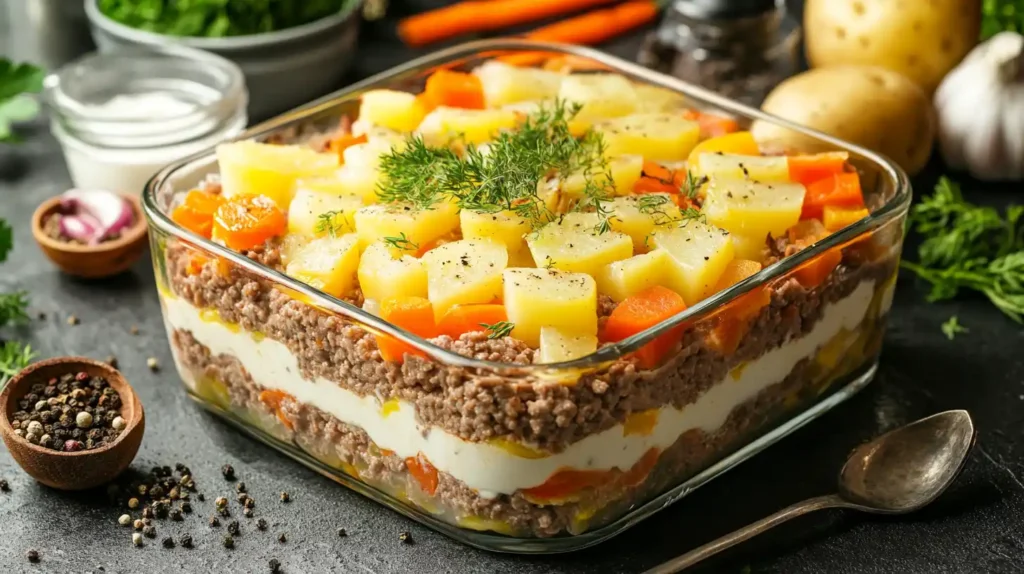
492	450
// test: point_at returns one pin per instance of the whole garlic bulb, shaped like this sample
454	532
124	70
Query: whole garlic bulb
980	106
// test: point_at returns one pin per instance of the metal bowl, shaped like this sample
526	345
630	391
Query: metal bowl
283	69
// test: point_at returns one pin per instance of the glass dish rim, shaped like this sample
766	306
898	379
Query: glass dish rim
891	210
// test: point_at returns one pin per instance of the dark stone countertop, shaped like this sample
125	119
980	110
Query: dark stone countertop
976	527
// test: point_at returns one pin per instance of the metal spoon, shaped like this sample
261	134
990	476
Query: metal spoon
898	472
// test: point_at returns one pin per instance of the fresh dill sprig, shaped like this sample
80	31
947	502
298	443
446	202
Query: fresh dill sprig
499	330
330	223
971	247
401	242
13	308
692	184
415	174
952	327
14	357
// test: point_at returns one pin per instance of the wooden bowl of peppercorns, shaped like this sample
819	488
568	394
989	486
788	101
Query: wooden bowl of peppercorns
72	423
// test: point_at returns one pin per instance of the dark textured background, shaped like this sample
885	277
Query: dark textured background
976	527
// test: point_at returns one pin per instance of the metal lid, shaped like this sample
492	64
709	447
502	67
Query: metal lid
723	9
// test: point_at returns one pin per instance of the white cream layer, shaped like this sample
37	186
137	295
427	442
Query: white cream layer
490	469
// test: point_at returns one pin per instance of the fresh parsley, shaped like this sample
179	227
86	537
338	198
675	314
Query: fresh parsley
13	308
498	330
952	327
16	81
401	242
14	356
971	247
6	240
1001	15
218	18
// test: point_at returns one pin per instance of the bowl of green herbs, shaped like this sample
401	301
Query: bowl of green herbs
291	51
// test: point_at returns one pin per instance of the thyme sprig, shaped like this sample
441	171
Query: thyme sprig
952	327
499	330
970	247
401	242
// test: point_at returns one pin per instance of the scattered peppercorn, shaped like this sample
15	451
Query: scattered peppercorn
240	487
186	507
275	566
149	532
133	503
112	361
285	497
221	502
228	471
138	524
241	498
224	512
147	512
4	486
124	520
261	524
153	364
33	556
134	330
201	497
168	542
247	512
73	320
214	521
405	537
229	542
249	503
282	538
342	532
233	527
176	515
186	541
136	539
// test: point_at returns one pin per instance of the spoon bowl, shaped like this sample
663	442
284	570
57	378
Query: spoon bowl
908	468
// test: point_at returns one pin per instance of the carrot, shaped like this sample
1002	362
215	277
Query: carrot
569	481
712	125
807	169
480	16
424	472
196	213
654	185
342	142
733	319
454	90
247	221
465	318
841	189
273	399
815	271
565	63
837	217
657	171
414	314
642	311
597	26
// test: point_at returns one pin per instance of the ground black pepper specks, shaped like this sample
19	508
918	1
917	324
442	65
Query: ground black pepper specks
168	542
33	556
4	486
261	524
282	538
233	527
229	542
228	472
185	541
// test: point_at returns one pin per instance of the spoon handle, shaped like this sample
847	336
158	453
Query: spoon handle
747	532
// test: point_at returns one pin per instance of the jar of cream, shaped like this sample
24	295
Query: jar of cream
121	116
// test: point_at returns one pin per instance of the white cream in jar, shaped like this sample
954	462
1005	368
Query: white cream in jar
121	116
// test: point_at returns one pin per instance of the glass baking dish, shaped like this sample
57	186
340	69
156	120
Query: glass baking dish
524	458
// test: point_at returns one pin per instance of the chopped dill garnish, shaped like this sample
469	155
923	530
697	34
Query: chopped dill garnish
498	330
401	242
952	327
328	223
692	184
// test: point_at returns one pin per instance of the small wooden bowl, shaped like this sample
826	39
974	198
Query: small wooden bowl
92	261
81	469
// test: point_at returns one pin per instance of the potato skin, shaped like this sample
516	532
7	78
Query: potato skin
865	105
920	39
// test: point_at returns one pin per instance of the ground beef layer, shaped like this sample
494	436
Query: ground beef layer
479	405
343	446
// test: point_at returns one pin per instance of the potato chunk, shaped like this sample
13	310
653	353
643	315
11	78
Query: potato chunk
399	111
624	171
314	213
655	99
253	168
504	84
383	276
753	209
444	125
599	95
659	137
753	167
698	254
574	242
417	226
558	345
536	298
504	227
621	279
464	272
328	264
638	215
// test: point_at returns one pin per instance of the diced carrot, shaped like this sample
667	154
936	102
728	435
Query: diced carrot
340	143
836	217
247	221
733	320
272	399
567	482
807	169
424	472
414	314
643	467
454	90
643	311
654	185
741	143
433	244
196	212
815	271
806	232
565	63
465	318
841	189
712	125
657	171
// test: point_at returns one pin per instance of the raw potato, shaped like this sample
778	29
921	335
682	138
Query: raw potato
866	105
923	40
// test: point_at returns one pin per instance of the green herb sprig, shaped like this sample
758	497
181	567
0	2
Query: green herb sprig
1001	16
970	247
330	223
14	356
17	80
498	330
952	327
401	242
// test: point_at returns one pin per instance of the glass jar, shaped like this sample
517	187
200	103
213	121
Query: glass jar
740	49
121	116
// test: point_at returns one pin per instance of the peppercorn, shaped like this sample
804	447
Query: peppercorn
124	520
261	524
147	512
224	512
342	532
240	487
33	556
168	542
285	497
176	515
4	487
249	503
247	512
186	541
275	566
149	532
241	498
157	491
136	539
405	537
186	507
133	503
282	538
201	497
229	542
214	521
221	502
138	524
233	527
228	472
153	364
